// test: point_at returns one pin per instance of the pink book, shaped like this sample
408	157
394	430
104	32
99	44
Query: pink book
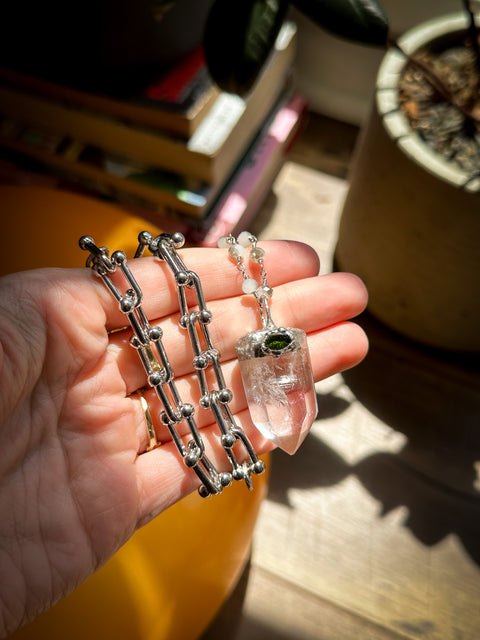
252	181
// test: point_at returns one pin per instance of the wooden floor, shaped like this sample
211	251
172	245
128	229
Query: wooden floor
372	530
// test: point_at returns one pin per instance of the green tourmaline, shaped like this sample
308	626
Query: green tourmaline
278	341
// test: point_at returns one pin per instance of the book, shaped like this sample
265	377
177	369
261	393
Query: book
110	174
210	154
176	102
238	202
250	183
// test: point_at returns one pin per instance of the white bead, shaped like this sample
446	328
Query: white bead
236	251
245	239
222	242
249	285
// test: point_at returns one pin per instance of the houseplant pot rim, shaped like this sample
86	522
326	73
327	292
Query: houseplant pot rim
387	100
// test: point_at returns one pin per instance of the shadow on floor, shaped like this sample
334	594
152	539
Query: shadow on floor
227	620
434	400
325	145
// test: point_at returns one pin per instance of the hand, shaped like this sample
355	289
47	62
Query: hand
75	481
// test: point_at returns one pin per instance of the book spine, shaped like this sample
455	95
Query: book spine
154	150
245	194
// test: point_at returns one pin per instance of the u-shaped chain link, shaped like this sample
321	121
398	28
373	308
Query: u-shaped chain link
147	341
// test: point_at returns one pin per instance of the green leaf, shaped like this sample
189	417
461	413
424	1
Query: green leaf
238	39
362	21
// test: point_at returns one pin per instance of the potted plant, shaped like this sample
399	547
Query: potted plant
411	218
239	36
341	82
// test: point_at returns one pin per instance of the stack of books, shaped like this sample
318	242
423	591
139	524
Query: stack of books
183	154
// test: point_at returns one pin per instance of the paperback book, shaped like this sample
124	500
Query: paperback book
209	155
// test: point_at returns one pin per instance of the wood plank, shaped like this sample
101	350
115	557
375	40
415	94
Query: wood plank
303	206
274	610
369	535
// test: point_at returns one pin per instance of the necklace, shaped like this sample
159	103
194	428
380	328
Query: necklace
274	361
147	341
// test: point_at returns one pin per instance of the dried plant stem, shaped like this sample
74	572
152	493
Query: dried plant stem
434	80
473	32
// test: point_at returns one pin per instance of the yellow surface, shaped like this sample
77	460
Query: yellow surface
171	578
41	228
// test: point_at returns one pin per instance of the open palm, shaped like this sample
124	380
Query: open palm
75	478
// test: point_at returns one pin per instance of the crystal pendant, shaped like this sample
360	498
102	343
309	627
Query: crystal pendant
278	381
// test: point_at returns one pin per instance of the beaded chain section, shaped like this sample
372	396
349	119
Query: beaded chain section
236	250
147	341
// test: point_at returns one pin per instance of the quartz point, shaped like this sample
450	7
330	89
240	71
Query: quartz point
278	382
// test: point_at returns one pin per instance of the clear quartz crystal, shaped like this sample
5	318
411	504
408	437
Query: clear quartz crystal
278	381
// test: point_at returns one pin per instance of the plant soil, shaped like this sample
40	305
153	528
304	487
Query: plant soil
448	120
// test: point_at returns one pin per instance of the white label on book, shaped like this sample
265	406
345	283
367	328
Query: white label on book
217	124
285	35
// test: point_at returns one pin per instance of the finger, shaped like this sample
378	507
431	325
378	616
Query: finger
332	350
163	478
285	261
311	304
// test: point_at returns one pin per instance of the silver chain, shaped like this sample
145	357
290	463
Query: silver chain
147	341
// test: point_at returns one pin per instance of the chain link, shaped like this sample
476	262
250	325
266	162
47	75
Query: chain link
147	341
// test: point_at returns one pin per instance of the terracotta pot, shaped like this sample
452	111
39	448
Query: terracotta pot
173	575
411	221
